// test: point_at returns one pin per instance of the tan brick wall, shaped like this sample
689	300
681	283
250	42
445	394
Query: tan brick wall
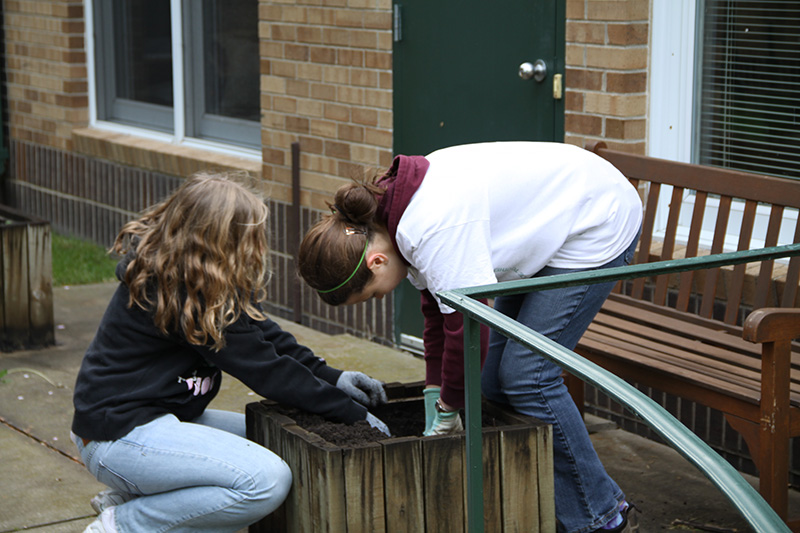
606	73
47	87
326	82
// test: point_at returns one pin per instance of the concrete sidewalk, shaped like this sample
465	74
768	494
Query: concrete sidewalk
44	488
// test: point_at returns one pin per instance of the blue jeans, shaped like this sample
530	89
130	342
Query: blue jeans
201	476
586	497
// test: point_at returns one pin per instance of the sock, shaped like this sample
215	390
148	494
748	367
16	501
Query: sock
617	520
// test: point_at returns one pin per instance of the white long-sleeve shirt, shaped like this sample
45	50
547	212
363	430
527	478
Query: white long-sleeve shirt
502	211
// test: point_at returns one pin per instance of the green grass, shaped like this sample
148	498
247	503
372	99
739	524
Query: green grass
78	262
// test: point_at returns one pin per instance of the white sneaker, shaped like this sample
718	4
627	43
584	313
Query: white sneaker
103	523
109	498
95	527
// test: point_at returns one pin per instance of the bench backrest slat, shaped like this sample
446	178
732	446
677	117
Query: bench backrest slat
646	240
668	246
763	283
692	246
734	294
792	274
712	275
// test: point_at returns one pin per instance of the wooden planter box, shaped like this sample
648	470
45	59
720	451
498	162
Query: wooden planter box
409	484
26	282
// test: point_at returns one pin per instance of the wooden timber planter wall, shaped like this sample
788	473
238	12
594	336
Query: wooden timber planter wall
409	484
26	283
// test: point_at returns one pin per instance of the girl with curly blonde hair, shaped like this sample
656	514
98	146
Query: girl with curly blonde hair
189	307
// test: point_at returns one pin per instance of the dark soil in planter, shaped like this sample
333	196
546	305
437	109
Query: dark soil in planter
404	419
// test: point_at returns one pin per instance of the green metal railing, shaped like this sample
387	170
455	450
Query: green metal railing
746	499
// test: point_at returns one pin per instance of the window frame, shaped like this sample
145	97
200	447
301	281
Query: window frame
181	68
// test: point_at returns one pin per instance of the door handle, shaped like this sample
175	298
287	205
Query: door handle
536	70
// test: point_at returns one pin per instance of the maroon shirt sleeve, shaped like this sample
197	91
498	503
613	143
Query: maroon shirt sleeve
443	338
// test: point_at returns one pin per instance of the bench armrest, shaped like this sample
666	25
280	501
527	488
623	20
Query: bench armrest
772	324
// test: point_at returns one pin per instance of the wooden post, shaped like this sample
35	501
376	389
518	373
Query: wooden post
26	283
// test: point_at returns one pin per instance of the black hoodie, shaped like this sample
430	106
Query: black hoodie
132	373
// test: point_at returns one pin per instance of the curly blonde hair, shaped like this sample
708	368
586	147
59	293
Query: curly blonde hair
201	257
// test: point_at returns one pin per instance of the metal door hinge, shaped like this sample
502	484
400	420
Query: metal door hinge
397	23
558	88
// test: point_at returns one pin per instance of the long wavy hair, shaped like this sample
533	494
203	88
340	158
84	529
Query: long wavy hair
200	257
333	247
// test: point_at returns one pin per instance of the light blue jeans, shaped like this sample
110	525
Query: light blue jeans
200	476
586	497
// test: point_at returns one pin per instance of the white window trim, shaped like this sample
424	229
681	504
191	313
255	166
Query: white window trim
672	59
178	137
673	54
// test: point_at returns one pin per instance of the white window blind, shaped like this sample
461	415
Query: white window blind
749	108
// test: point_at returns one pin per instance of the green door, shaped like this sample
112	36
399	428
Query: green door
470	71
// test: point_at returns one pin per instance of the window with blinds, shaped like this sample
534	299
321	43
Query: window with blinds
749	112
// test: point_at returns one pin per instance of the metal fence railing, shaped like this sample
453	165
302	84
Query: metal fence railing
746	499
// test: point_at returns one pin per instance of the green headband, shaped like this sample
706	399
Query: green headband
342	284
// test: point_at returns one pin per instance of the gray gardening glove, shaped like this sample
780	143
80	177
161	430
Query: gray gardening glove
378	424
362	388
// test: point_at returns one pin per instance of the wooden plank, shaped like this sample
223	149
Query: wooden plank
299	509
724	336
738	365
692	245
363	488
546	480
730	338
733	297
15	287
444	500
649	353
318	501
641	338
646	240
667	379
600	350
263	427
40	289
720	181
792	275
705	348
668	245
327	487
402	475
764	281
720	230
519	467
2	288
623	301
492	492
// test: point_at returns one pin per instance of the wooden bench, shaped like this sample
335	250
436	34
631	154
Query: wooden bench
685	334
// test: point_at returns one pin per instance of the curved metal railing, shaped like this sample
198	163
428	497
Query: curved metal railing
746	499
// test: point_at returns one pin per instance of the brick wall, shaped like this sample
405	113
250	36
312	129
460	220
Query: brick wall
606	73
327	83
45	63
